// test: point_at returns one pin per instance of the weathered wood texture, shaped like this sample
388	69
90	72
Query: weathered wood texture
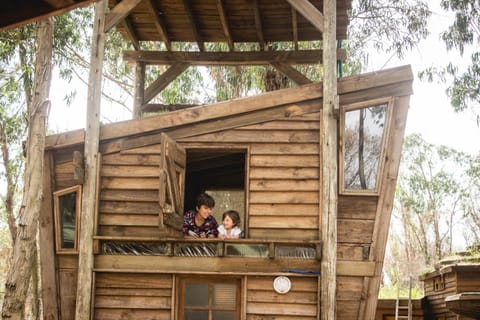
132	296
299	303
449	281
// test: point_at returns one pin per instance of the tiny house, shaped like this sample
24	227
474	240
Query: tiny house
259	155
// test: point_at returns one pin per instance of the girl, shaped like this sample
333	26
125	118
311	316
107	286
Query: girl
230	229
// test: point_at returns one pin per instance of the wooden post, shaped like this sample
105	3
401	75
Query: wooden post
329	164
139	90
92	134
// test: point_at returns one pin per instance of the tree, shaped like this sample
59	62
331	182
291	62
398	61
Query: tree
462	36
24	249
435	187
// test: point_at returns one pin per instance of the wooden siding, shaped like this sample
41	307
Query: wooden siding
133	296
283	175
264	303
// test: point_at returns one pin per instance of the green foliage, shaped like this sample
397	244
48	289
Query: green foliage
387	26
391	292
462	35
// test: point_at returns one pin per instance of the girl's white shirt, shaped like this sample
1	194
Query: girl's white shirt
236	231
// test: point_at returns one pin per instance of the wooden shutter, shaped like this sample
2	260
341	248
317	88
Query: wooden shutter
172	183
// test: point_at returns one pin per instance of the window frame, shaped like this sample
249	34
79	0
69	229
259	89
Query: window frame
77	189
381	160
210	280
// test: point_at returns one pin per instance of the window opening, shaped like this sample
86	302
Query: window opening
209	299
363	140
220	173
67	204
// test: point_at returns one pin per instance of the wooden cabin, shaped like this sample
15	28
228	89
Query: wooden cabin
263	150
452	290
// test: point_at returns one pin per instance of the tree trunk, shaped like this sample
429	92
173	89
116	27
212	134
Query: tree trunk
20	270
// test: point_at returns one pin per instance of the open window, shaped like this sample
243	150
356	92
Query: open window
363	131
220	173
67	205
207	298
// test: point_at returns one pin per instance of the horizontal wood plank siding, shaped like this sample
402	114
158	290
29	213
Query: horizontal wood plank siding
132	296
129	193
299	303
283	169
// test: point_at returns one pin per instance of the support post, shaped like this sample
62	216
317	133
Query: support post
139	90
329	164
92	134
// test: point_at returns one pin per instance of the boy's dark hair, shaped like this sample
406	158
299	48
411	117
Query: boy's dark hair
206	200
234	215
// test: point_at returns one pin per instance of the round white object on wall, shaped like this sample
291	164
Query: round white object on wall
282	284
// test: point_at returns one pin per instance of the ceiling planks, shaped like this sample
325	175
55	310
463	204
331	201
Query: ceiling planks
159	24
119	12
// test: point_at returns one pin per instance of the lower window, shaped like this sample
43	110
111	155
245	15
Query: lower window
203	298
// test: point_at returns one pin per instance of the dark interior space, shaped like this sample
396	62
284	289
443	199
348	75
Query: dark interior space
213	169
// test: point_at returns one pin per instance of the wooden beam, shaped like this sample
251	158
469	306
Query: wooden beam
164	80
85	257
329	156
223	19
159	107
295	28
385	203
131	34
310	12
229	58
194	23
258	25
294	75
282	111
119	12
139	90
159	24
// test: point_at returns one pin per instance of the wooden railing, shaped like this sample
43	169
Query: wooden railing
179	247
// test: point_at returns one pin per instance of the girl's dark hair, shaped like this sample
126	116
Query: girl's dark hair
206	200
234	215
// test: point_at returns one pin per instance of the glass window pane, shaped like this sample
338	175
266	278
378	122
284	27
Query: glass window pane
224	295
67	204
362	143
224	315
196	294
196	314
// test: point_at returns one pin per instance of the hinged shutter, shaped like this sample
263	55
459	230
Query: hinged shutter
172	183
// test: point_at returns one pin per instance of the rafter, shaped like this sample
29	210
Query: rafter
295	28
223	19
195	29
130	31
258	25
292	73
159	24
309	11
164	80
229	58
119	12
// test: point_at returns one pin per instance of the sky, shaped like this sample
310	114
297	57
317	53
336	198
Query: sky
430	113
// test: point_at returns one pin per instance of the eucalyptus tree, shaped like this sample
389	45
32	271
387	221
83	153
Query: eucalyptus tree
461	37
436	208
